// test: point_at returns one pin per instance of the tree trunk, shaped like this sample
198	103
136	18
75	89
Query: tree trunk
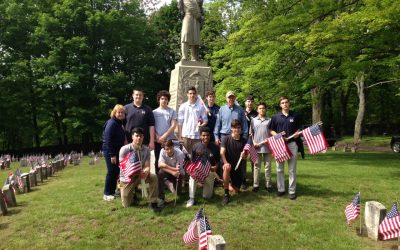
359	82
316	104
344	99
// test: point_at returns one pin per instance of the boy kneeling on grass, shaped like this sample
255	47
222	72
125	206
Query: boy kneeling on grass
231	151
134	161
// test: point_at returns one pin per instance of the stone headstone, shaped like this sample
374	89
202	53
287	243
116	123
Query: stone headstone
3	204
39	176
185	75
26	182
32	176
216	242
375	212
9	196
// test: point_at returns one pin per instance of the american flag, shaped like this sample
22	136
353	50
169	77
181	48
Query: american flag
130	166
390	226
205	231
315	139
251	150
18	174
278	148
191	234
353	209
199	169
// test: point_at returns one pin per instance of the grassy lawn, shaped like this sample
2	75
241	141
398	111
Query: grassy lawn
67	211
378	141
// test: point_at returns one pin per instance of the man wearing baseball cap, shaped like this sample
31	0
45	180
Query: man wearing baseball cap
227	113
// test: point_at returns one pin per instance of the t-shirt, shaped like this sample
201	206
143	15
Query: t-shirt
163	119
290	123
176	159
211	152
233	148
144	156
139	117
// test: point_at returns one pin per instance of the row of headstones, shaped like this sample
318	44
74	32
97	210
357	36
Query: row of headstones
345	148
29	180
5	163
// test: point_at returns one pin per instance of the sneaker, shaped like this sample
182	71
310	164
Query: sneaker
280	194
155	207
161	203
269	189
255	189
170	186
190	203
225	200
292	196
108	197
244	186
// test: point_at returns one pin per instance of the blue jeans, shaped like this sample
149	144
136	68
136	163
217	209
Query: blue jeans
112	175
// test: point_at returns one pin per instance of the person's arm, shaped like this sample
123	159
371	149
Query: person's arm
181	117
217	128
146	167
171	129
245	126
204	117
169	169
152	137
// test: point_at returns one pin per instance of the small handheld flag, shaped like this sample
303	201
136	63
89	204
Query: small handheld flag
353	209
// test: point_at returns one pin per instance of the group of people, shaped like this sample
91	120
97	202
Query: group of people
206	132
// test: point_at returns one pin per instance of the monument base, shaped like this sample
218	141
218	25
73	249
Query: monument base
185	75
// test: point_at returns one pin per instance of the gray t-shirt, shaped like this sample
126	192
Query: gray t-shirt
173	161
260	132
144	156
163	119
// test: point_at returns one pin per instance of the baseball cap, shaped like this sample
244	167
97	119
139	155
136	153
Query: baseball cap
230	93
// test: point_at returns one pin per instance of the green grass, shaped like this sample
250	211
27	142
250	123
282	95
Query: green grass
378	141
67	211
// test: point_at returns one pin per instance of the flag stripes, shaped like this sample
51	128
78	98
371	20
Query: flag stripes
315	139
390	226
353	209
278	148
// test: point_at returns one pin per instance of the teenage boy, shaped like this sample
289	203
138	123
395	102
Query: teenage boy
231	151
138	153
165	122
289	122
206	151
171	169
259	133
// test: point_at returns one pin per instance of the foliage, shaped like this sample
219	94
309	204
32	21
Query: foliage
66	63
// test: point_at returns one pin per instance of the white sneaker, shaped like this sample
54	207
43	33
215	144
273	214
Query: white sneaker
108	197
190	202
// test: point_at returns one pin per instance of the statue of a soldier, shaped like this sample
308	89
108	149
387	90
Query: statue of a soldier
192	11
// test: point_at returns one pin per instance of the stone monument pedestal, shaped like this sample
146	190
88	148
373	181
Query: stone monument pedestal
185	75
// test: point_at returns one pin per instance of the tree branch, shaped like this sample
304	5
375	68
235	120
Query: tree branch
370	86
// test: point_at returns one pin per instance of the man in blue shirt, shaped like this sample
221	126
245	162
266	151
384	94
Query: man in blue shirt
227	113
289	122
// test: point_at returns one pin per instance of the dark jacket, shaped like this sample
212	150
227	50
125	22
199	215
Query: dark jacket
113	137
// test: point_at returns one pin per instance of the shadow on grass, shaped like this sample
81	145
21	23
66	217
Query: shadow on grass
366	159
3	226
14	211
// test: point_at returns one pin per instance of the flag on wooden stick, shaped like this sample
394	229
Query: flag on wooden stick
353	209
315	139
249	148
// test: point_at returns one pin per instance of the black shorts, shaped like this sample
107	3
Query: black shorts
237	176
